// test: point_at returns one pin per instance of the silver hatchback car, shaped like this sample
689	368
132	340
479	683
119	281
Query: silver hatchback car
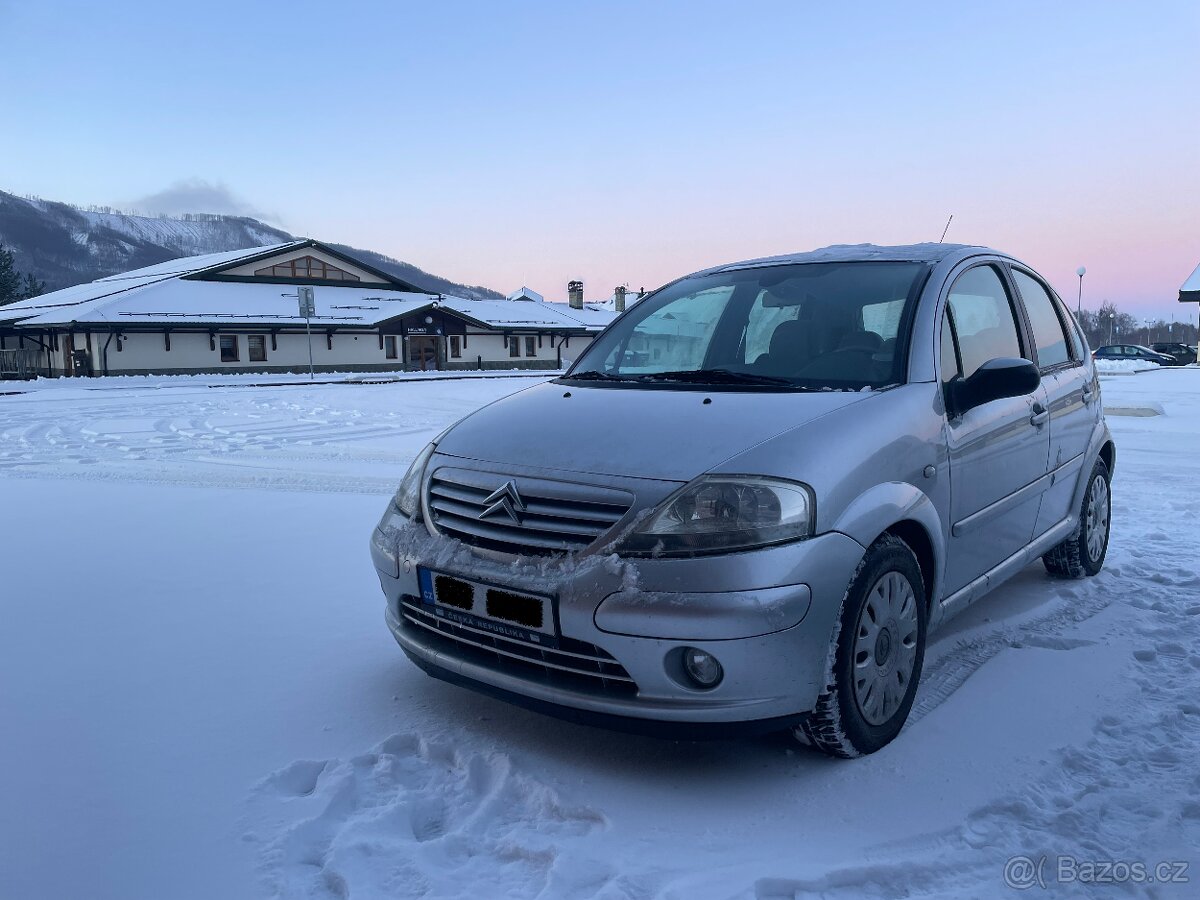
755	494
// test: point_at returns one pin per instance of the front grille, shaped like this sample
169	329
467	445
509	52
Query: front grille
575	664
556	516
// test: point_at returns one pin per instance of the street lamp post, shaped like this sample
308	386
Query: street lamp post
1081	271
1111	316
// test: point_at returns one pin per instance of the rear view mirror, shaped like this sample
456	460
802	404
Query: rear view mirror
994	380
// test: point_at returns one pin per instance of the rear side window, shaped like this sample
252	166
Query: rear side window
983	319
1048	333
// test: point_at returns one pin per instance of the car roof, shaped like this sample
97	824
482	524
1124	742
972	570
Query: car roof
927	253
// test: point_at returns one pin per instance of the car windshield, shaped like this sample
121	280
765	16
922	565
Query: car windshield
810	326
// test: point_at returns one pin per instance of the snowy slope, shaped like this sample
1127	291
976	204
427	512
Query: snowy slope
199	697
63	245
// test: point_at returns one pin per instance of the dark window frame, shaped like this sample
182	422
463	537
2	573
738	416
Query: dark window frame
530	345
254	341
1015	308
310	268
233	341
1069	326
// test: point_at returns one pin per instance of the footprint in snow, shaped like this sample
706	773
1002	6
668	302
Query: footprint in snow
420	818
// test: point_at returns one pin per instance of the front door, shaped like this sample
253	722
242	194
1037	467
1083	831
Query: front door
997	450
423	353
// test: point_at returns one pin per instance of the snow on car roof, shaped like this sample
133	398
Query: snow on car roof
928	252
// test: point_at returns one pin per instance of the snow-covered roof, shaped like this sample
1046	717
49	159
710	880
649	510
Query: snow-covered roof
526	293
1190	292
590	316
191	265
505	314
610	305
162	295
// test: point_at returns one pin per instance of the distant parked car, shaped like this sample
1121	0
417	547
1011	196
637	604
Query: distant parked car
1134	351
1181	353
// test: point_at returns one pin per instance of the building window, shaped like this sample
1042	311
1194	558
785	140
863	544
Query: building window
531	346
229	348
514	345
389	347
455	346
307	267
256	347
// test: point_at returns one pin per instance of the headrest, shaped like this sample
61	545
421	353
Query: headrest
861	340
789	337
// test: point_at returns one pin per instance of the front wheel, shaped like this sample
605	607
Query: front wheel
877	653
1084	551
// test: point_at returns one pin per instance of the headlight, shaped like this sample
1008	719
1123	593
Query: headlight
721	513
408	498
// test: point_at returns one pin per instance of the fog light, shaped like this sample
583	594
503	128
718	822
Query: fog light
702	667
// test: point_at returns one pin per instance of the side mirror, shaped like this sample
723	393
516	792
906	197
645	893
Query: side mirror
994	380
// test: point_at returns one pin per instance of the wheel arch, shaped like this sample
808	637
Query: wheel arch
1108	453
903	510
914	534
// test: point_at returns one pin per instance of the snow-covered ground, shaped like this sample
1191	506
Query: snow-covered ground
199	698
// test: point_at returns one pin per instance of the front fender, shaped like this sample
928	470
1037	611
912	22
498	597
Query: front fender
884	505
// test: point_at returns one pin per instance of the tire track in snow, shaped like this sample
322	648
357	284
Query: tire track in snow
954	666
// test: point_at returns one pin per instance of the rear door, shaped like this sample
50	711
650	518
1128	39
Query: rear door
1071	398
999	450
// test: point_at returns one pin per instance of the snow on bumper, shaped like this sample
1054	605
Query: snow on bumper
772	642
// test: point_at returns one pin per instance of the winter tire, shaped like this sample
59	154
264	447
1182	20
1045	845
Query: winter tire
876	653
1083	552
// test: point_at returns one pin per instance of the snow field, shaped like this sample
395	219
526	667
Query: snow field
198	696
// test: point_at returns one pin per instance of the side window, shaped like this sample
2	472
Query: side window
983	319
1048	333
949	356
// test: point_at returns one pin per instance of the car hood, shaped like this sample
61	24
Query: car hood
641	433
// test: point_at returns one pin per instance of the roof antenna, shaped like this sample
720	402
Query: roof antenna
947	228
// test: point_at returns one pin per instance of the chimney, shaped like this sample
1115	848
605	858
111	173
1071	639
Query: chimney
575	294
619	298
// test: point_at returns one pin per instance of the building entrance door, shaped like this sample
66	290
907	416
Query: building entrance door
423	353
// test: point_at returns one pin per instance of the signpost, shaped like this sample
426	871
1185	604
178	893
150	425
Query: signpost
308	309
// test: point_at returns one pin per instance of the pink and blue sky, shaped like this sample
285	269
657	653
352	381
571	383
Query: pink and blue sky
536	142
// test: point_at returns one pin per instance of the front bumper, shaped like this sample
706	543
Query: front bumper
766	615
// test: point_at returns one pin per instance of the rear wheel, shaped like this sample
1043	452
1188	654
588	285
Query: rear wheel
1083	552
875	663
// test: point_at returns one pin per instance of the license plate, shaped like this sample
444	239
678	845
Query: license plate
496	610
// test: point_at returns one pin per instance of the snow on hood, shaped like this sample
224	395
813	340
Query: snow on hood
652	433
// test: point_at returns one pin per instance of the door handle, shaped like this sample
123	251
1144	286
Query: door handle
1087	394
1040	416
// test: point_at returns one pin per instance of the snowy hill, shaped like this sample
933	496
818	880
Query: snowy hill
64	245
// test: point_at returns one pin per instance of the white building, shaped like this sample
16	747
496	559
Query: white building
238	312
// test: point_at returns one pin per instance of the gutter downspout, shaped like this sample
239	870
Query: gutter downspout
104	352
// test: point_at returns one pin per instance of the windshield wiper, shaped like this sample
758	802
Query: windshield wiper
593	375
715	376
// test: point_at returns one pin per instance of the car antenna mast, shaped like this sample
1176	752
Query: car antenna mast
947	228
